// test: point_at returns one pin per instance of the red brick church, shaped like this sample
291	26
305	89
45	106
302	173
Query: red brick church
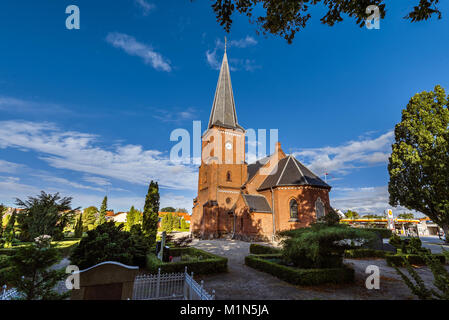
249	201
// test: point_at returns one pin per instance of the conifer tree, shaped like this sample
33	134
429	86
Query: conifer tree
151	212
79	227
132	218
104	207
10	230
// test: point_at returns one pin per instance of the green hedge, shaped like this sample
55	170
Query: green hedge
382	232
209	264
365	253
255	248
64	247
398	259
305	277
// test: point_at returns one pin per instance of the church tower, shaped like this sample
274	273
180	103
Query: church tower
223	169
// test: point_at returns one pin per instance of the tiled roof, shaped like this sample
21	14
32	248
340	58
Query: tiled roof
291	172
223	109
256	203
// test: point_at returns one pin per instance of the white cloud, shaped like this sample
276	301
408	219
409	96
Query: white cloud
165	115
132	47
234	63
11	104
79	152
9	167
67	183
97	180
145	6
364	200
349	156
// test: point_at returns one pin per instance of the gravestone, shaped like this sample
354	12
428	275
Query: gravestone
108	280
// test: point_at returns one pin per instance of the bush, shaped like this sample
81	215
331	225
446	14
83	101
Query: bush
109	242
208	264
365	253
297	276
381	232
64	248
416	259
321	245
255	248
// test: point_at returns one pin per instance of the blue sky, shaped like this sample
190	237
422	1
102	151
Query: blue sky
89	112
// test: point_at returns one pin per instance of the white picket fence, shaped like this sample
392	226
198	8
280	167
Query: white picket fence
10	294
169	286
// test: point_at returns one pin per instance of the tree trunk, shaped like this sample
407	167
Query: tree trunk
446	232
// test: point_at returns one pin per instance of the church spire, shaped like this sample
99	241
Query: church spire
223	110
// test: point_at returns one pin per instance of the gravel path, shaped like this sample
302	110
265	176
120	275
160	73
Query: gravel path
244	283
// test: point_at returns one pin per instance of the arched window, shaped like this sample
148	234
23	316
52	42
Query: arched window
228	176
319	209
293	210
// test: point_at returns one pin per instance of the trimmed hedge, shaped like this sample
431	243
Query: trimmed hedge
255	248
64	247
211	264
365	253
398	259
305	277
382	232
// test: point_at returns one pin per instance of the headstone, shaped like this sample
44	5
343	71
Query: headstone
108	280
161	252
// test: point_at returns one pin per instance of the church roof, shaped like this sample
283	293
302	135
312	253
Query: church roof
223	112
291	172
253	168
256	203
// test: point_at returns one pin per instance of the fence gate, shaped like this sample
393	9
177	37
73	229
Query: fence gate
169	286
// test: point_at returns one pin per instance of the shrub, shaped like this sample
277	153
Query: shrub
30	271
208	264
400	260
255	248
321	245
109	242
416	284
299	276
365	253
381	232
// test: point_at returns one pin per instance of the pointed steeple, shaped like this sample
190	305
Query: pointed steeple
223	110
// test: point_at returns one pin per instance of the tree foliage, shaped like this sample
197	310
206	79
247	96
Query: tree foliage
150	216
351	214
168	209
89	217
285	18
10	229
31	274
45	214
407	216
79	227
132	218
103	209
419	163
108	242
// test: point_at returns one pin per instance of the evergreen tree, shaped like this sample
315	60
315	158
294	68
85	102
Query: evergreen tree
103	209
2	211
150	216
168	209
45	214
79	227
167	222
10	230
132	218
90	218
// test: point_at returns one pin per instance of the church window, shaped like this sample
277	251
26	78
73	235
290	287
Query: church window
319	209
228	176
293	209
228	200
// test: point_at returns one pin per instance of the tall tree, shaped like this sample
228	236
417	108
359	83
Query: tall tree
45	214
351	214
10	231
132	218
419	163
2	212
150	216
285	18
168	209
103	209
79	227
89	217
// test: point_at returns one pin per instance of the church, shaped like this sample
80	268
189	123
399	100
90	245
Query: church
249	201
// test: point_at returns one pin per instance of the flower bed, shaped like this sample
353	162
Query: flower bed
272	264
196	260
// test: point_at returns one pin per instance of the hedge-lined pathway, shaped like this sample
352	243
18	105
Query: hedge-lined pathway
242	282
